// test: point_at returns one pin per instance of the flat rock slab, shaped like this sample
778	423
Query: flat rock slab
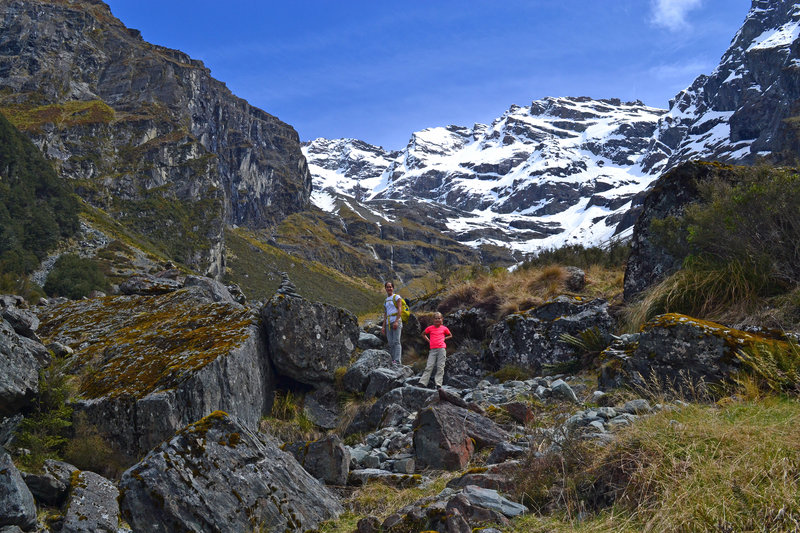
217	475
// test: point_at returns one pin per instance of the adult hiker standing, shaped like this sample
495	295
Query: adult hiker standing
392	322
436	334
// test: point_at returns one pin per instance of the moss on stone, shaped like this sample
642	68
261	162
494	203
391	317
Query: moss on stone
135	345
31	118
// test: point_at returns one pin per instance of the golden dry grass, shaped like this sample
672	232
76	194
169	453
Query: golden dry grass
501	292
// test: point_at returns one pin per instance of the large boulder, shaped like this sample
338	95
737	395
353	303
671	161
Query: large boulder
24	322
533	338
211	288
676	352
649	262
16	501
327	459
19	371
357	376
308	341
51	487
446	435
149	365
92	506
217	475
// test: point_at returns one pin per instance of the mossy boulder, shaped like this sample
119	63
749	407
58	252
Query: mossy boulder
308	341
677	353
217	475
148	365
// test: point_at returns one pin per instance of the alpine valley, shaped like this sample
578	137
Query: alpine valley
191	326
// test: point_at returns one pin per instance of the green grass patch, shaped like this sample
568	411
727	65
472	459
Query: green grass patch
729	467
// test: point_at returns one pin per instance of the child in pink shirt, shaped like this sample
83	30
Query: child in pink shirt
436	335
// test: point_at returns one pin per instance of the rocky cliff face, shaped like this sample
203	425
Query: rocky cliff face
747	107
541	175
145	132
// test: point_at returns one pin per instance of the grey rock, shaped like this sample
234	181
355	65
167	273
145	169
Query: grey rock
24	322
92	505
364	476
410	398
491	499
576	279
371	462
308	341
382	380
16	500
39	351
679	353
621	420
636	407
19	371
52	486
368	340
147	285
243	479
321	406
60	350
356	377
327	459
562	389
406	465
606	412
187	359
8	426
503	452
533	338
212	289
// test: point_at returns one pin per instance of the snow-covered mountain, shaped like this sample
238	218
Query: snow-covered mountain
569	170
747	107
560	170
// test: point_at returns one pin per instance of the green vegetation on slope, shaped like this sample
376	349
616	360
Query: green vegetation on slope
741	248
36	207
255	266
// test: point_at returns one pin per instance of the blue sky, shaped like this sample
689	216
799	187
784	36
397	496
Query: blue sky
380	70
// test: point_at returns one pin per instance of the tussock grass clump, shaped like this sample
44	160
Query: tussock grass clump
381	500
501	292
512	373
703	289
773	367
288	421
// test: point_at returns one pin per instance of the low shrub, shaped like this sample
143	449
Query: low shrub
89	450
75	277
45	430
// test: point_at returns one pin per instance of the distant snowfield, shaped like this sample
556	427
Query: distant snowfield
532	172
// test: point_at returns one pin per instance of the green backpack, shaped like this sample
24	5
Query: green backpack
405	312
